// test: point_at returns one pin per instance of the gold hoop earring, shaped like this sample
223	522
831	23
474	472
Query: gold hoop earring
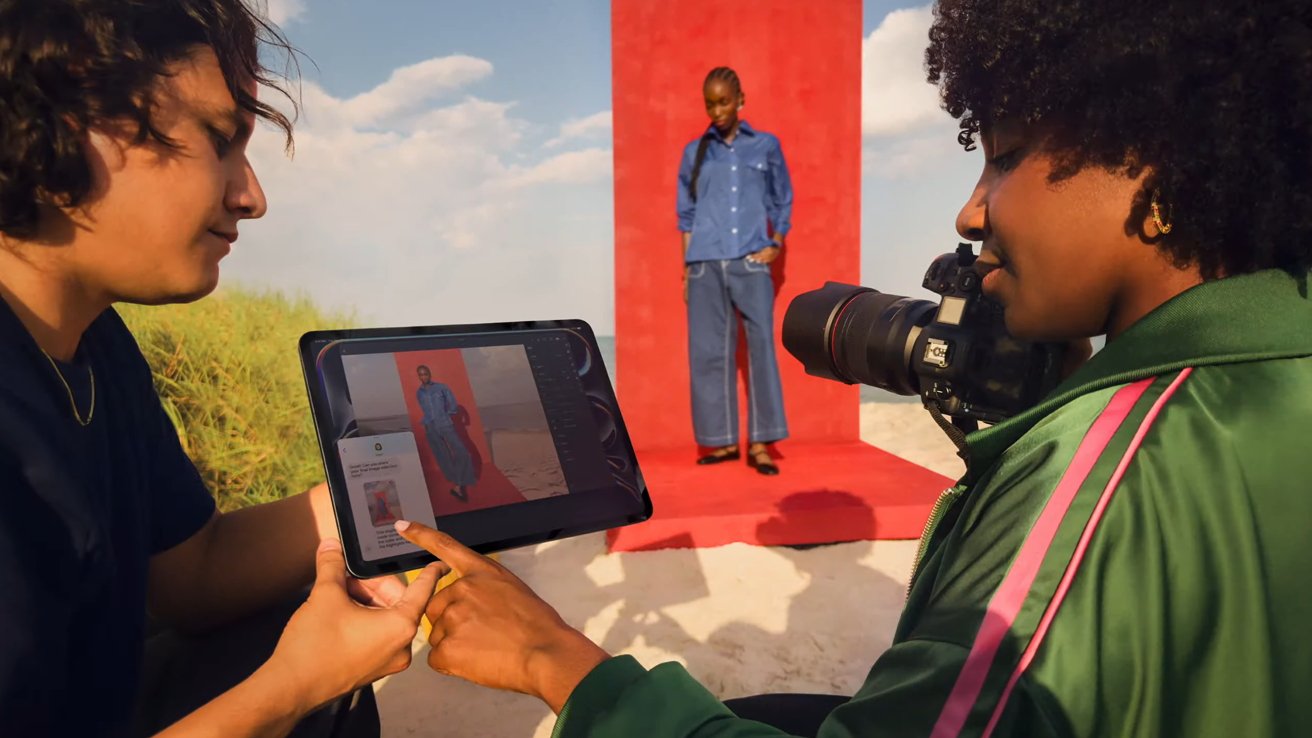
1163	226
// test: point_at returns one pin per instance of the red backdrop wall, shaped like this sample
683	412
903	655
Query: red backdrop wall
800	65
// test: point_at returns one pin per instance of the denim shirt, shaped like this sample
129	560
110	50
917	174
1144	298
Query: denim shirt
743	191
438	403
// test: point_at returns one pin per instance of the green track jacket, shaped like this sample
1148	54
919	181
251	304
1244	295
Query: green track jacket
1128	558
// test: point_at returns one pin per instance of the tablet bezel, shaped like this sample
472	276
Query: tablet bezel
320	412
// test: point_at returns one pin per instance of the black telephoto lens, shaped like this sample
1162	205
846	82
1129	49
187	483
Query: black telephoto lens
856	334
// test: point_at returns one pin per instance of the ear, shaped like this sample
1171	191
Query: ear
742	100
106	147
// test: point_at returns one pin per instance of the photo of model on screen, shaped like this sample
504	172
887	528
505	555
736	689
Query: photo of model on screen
441	409
384	502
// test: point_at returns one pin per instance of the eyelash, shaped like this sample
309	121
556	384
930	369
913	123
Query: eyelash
222	144
1006	162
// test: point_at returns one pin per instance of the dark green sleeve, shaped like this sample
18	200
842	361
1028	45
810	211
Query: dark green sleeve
901	698
620	698
906	691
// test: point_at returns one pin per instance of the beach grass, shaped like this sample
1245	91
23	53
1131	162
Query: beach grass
228	374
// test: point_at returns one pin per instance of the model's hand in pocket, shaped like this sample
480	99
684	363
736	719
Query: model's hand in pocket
765	255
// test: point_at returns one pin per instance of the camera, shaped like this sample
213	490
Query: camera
956	354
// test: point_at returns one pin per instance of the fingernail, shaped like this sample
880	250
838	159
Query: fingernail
401	525
330	544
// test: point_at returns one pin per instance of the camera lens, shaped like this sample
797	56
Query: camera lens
856	334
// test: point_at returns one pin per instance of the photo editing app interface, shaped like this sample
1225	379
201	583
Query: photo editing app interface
453	425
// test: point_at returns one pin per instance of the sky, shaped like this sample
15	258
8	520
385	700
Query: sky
453	162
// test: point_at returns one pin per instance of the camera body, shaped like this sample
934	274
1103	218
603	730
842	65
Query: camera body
956	355
969	365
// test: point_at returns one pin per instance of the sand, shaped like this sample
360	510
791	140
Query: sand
528	459
743	619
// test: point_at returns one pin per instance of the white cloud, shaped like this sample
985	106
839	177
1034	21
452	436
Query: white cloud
411	88
895	96
419	203
470	117
911	155
907	135
597	124
282	12
573	167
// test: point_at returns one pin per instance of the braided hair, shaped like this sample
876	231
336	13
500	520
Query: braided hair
726	75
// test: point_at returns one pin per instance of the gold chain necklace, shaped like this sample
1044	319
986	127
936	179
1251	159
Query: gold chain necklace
72	402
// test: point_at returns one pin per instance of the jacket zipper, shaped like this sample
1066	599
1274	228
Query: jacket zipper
945	500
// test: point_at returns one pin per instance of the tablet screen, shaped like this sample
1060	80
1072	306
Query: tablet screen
496	434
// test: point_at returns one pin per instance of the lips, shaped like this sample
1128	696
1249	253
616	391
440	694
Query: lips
990	258
991	265
228	236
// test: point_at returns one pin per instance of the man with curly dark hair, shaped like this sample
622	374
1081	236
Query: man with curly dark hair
1128	557
123	178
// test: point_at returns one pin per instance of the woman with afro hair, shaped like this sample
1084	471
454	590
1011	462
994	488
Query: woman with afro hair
1128	557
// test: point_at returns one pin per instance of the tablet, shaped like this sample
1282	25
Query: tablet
502	435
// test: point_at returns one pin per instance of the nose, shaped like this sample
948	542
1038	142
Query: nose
973	219
245	196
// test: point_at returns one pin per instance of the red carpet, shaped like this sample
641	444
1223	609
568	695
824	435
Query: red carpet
827	492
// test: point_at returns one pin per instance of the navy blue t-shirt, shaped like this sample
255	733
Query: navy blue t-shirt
82	509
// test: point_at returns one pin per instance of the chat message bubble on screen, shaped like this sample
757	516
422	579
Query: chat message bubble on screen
386	483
